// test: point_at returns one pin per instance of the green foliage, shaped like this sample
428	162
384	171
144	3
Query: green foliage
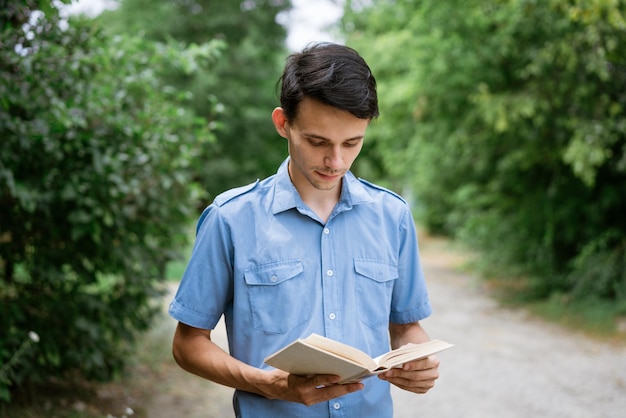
508	117
238	94
97	165
7	374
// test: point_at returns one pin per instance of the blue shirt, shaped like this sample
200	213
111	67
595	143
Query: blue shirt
277	272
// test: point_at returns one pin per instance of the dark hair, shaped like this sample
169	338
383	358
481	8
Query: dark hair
335	75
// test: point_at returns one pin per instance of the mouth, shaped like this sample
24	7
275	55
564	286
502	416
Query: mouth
329	176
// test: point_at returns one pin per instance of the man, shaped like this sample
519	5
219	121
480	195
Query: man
311	249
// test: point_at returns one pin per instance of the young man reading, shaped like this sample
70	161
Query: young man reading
311	249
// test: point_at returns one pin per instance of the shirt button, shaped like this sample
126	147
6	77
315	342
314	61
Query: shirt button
329	273
336	405
326	231
274	279
332	316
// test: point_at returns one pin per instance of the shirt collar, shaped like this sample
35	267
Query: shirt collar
287	197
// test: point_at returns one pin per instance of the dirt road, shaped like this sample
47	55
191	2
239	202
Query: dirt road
505	363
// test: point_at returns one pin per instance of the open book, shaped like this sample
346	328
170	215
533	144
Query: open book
320	355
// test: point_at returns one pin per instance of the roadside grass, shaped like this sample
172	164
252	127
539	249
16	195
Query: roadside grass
598	319
595	318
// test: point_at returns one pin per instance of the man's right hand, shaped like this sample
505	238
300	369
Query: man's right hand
306	390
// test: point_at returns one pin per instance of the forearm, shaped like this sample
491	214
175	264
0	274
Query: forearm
194	351
402	334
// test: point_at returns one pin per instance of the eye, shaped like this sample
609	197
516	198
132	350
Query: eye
351	144
316	142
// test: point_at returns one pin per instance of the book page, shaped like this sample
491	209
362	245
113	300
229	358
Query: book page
343	350
412	352
301	358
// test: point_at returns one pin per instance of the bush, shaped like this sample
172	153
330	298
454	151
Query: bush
96	189
509	120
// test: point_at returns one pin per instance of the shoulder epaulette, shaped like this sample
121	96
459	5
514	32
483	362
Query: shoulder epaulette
377	187
232	193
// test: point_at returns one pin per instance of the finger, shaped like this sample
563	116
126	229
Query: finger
420	381
431	362
412	374
324	388
421	387
411	384
328	385
322	380
335	391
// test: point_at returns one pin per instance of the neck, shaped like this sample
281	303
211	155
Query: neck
322	202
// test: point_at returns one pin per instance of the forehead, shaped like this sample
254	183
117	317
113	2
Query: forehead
318	119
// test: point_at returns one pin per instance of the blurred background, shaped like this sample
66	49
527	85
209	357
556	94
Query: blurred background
502	122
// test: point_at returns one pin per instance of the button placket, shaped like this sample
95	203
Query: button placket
330	286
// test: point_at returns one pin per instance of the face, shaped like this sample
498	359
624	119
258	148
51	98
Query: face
323	143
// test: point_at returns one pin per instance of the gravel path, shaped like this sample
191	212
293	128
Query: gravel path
505	363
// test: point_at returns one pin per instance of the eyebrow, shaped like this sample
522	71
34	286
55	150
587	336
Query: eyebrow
323	138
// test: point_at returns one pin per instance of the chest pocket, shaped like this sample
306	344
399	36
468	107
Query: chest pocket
277	293
374	288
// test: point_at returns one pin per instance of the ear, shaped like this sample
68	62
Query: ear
280	122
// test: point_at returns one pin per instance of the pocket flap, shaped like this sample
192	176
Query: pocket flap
273	274
380	271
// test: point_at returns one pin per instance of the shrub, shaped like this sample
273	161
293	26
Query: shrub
96	189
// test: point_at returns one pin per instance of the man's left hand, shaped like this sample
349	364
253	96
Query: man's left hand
416	376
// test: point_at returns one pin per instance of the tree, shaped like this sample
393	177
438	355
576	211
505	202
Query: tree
508	119
241	84
96	188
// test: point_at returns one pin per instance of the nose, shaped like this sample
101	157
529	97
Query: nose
334	159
